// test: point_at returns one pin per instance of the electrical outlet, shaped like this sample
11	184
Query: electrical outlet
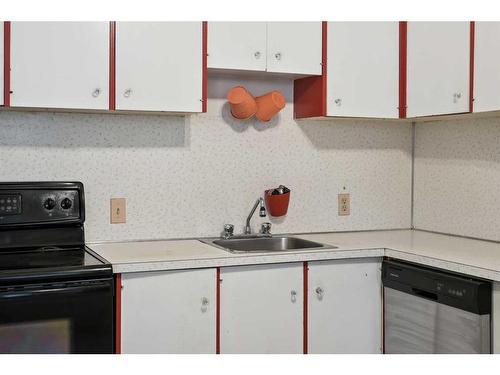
118	211
344	204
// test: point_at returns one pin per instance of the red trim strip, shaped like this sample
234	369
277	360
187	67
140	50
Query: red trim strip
118	314
112	65
309	94
306	307
403	46
217	316
204	66
471	65
6	66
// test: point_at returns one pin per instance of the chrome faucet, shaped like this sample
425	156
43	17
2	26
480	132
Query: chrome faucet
262	213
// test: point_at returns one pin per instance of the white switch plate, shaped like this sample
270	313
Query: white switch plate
118	211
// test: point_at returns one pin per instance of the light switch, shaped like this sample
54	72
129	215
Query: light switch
118	211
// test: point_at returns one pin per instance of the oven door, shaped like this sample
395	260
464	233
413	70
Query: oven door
69	317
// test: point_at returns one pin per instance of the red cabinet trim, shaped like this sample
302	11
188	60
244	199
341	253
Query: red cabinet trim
309	94
403	47
118	314
306	307
6	66
204	65
471	66
112	65
217	313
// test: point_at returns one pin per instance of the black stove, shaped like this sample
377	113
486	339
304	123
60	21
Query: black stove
56	295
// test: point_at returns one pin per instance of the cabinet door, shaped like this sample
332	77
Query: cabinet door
237	45
345	306
486	66
159	66
363	69
169	312
294	47
438	68
60	64
1	63
261	309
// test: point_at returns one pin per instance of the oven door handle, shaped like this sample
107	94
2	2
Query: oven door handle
56	289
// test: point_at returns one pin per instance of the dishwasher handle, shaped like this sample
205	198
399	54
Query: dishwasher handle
424	294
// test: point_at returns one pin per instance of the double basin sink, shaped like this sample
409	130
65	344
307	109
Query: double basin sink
265	244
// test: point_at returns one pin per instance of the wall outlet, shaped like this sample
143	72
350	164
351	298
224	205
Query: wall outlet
344	204
118	211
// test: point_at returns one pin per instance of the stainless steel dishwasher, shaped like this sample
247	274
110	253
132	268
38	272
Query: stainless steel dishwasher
430	311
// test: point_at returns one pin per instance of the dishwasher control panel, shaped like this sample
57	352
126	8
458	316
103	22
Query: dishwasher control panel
452	289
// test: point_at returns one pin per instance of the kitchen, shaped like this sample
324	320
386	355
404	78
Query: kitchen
368	186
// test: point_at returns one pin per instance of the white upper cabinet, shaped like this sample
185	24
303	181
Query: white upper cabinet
345	306
487	66
438	68
237	45
171	312
1	63
60	65
261	309
278	47
363	69
294	47
159	66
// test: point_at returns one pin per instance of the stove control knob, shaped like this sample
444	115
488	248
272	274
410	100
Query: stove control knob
49	204
66	203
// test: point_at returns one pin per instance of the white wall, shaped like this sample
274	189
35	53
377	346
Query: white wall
187	176
457	177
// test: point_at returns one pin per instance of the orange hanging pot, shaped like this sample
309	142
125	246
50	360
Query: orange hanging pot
268	105
243	105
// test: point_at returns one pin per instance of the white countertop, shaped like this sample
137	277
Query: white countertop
468	256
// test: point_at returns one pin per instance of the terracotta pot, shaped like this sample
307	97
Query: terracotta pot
269	105
243	105
277	205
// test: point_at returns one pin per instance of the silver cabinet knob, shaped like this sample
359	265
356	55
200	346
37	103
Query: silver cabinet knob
204	304
127	93
96	92
293	296
338	102
277	55
456	97
320	293
257	54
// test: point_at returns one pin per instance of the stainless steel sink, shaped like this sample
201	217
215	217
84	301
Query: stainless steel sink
267	244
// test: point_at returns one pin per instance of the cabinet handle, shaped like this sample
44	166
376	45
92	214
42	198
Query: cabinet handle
127	93
338	101
277	55
320	292
293	296
257	55
96	92
456	97
204	304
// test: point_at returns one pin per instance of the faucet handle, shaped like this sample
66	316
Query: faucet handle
228	230
265	228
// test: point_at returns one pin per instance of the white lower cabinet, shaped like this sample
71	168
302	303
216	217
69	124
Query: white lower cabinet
261	309
345	306
169	312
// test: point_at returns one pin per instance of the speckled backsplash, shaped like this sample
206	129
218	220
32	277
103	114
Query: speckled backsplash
187	176
457	177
